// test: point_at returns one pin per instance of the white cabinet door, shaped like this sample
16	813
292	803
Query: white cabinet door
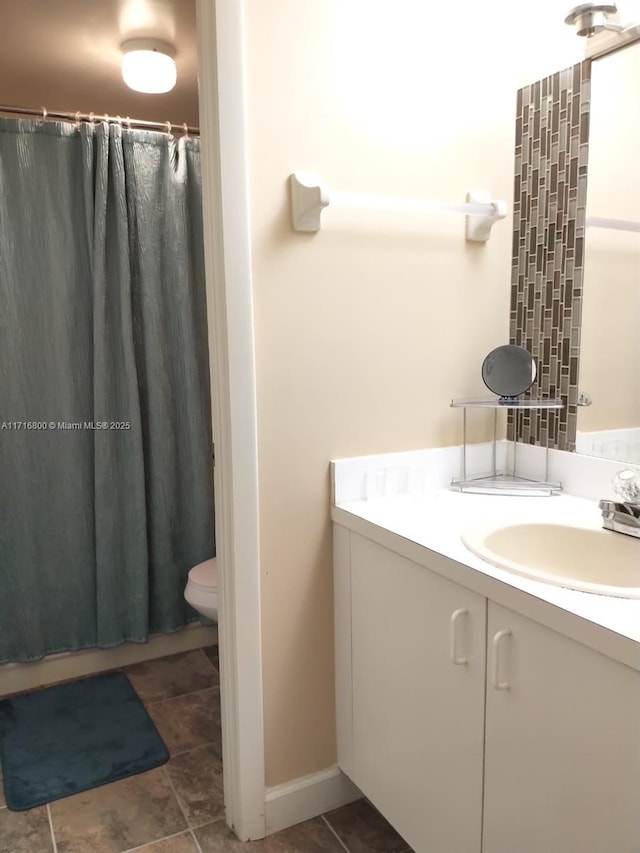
562	751
418	676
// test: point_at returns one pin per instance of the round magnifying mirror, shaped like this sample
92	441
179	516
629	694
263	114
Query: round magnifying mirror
509	370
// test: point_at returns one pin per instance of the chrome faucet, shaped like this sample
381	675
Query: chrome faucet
623	516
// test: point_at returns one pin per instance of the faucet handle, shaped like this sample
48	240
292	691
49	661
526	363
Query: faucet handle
626	484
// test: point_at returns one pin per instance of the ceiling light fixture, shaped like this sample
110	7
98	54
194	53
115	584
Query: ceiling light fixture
148	65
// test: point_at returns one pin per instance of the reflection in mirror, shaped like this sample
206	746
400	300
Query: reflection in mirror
610	328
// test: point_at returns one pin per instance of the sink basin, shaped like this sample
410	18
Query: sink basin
581	558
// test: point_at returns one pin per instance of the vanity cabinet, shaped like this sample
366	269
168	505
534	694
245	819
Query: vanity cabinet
562	744
413	735
473	728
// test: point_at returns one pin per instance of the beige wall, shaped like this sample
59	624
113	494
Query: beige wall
610	339
365	331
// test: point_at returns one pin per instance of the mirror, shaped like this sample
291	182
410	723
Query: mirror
609	367
508	371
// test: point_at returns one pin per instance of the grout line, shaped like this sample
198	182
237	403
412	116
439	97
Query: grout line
342	844
202	825
156	841
184	814
175	794
174	754
208	822
191	829
181	696
210	661
405	849
53	837
207	745
196	842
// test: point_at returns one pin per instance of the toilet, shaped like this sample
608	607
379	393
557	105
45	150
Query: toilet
201	590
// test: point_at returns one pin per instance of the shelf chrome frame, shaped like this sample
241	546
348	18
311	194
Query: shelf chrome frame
507	482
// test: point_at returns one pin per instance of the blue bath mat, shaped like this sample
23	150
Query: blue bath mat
65	739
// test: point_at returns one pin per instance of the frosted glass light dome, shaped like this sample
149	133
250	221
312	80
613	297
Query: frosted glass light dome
148	66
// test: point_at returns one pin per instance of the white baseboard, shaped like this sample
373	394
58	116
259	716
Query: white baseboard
307	797
18	677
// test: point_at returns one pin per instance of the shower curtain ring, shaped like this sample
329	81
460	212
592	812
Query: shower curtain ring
91	118
168	125
128	120
44	112
186	130
78	119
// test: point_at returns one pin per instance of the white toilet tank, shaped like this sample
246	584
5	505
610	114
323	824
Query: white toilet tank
201	590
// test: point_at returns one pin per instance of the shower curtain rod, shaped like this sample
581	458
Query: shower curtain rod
44	113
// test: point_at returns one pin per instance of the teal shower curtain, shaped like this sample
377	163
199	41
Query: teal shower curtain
106	492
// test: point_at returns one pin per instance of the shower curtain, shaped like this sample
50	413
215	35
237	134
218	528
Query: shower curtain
106	492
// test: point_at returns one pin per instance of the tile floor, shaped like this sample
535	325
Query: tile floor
179	808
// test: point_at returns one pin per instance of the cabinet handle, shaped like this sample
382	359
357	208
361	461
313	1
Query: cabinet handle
497	684
455	618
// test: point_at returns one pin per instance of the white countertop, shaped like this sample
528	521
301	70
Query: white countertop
426	529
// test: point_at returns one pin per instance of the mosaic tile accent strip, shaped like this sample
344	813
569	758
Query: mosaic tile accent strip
552	146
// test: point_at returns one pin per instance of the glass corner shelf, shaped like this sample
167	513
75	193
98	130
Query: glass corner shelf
507	403
504	482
